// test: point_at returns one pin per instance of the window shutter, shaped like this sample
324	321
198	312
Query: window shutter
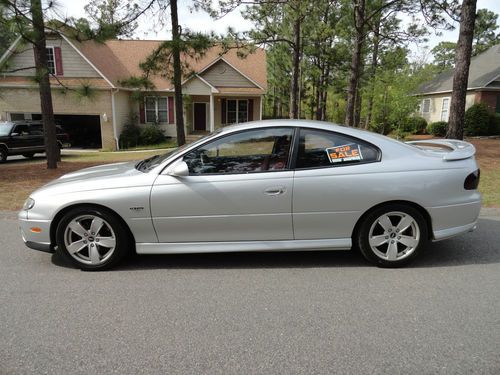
58	59
223	119
171	110
250	109
142	114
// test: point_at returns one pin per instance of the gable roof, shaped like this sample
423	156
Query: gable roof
120	59
484	68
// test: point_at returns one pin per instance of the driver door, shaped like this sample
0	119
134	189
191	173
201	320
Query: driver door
239	188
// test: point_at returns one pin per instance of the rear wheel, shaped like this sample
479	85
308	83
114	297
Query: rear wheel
29	155
392	235
92	238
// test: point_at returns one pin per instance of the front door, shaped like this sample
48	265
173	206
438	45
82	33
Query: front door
239	189
200	116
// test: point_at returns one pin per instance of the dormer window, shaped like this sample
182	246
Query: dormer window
54	61
51	60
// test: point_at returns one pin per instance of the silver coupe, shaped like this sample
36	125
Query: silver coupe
280	185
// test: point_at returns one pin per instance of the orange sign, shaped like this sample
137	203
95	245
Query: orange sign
343	153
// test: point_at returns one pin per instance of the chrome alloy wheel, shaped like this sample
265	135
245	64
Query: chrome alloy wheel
394	236
89	239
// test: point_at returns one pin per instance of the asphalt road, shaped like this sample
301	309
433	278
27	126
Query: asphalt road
283	313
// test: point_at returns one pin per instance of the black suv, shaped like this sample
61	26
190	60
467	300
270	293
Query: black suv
26	138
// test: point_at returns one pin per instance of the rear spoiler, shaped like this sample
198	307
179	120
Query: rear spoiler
451	149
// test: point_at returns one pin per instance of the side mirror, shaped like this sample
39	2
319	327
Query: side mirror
14	134
179	169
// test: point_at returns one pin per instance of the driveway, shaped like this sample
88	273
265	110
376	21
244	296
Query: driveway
281	313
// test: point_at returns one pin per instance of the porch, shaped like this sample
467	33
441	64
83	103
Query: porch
205	113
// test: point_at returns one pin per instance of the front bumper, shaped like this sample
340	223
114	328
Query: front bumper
35	233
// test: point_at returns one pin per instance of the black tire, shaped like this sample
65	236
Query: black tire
392	252
107	258
3	154
29	155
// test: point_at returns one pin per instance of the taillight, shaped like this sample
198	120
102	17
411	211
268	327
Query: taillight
472	180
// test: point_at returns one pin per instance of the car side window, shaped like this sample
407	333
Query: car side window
319	148
21	130
244	152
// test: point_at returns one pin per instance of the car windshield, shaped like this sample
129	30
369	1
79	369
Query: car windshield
5	128
148	164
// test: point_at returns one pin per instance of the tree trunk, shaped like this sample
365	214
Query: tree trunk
179	115
357	108
461	73
294	96
49	126
359	15
373	72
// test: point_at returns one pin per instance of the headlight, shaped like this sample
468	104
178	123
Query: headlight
28	204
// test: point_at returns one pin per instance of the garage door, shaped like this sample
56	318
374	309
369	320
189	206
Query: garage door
84	130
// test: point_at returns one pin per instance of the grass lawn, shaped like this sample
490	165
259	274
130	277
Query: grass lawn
18	178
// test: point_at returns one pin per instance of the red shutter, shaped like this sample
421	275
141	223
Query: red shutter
250	109
58	58
223	119
142	114
171	110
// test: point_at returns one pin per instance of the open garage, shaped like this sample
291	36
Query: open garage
84	130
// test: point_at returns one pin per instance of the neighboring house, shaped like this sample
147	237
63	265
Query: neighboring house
223	89
483	87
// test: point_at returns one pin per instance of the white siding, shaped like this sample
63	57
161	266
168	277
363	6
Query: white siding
73	64
196	87
222	74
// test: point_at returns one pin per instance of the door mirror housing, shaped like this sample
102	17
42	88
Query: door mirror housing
14	134
179	169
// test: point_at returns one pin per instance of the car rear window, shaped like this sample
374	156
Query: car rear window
319	148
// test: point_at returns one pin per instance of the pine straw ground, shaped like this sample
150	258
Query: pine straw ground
18	178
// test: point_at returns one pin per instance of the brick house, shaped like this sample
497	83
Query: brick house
222	90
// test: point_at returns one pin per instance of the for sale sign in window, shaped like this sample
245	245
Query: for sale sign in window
340	154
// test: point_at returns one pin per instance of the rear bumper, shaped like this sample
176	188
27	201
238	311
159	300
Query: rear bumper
449	221
451	232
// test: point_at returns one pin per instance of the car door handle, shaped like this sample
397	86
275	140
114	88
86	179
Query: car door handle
275	190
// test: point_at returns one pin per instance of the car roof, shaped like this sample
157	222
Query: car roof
363	134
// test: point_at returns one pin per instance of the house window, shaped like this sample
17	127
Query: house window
426	106
237	111
445	109
156	108
51	60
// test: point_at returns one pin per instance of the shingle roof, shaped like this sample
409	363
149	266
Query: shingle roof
484	68
119	59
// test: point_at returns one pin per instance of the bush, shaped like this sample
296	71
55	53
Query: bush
413	125
151	135
477	120
130	136
437	128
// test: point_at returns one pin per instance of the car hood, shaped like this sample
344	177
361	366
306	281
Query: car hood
107	176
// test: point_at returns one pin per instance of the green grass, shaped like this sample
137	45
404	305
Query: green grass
489	186
167	144
109	157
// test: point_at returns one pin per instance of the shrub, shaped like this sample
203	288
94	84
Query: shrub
130	136
413	125
437	128
151	135
477	120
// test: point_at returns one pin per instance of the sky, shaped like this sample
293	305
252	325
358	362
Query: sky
200	21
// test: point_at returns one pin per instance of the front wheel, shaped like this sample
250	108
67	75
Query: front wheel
92	238
3	154
392	235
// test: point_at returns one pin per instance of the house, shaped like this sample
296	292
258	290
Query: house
483	87
92	103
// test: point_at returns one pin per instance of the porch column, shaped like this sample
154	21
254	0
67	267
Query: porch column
212	113
260	107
